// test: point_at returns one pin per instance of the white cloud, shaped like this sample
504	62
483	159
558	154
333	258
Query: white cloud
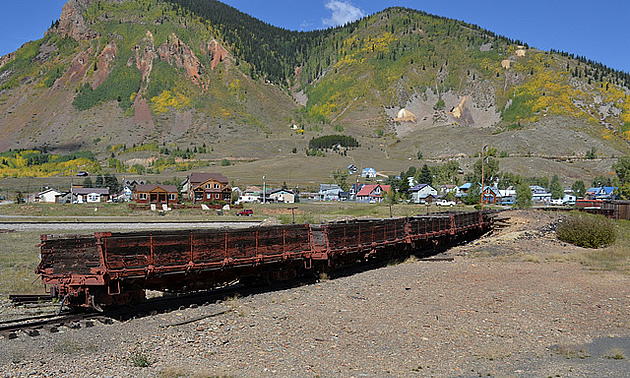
305	25
343	12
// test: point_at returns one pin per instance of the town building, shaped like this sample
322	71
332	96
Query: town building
423	193
207	188
49	196
372	193
155	194
90	195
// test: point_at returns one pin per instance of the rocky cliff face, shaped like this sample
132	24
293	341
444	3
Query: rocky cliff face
176	53
71	22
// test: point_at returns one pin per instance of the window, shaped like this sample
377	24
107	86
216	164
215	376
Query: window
217	196
142	196
208	186
216	186
172	197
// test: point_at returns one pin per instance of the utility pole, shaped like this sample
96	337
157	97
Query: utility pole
292	212
483	149
264	188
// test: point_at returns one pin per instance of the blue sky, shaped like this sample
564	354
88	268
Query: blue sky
598	30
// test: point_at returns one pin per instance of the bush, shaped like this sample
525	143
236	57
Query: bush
588	231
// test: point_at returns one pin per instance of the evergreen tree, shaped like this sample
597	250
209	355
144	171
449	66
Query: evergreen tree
473	196
523	196
490	170
622	169
340	177
579	189
99	181
425	176
411	172
556	189
111	182
87	182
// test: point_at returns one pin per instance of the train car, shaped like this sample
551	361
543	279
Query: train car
587	204
343	243
105	269
616	209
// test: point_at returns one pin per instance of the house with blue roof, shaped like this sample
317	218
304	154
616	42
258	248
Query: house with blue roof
601	193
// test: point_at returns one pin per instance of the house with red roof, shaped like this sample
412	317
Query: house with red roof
372	193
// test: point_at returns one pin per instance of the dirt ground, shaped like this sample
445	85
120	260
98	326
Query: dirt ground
515	303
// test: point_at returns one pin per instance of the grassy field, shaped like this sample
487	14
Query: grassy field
312	212
19	257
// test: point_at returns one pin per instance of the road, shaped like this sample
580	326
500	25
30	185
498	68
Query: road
117	226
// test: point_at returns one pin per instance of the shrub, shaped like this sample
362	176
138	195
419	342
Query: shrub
588	231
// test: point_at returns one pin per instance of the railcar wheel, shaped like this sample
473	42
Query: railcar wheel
136	295
96	301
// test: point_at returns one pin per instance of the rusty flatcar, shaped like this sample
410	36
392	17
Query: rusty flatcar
105	268
616	209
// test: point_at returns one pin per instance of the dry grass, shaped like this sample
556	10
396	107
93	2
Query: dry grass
18	260
615	354
613	258
572	351
531	258
71	346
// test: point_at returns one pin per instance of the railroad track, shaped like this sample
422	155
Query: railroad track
36	325
30	298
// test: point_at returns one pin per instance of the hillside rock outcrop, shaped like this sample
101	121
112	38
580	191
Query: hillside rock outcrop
71	22
177	53
217	53
105	58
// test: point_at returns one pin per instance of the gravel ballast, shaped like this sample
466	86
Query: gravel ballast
479	315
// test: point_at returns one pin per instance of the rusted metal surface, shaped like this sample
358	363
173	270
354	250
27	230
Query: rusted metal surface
114	268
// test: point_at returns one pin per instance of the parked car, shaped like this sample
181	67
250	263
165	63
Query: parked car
444	202
245	213
557	202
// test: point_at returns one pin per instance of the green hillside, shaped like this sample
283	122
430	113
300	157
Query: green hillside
172	85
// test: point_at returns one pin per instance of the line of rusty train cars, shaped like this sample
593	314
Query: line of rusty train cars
614	209
106	268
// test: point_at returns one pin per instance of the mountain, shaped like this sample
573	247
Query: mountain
175	84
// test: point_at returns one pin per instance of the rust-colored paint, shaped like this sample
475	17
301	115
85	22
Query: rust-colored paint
109	267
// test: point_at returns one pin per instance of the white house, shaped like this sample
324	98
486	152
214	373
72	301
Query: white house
368	172
90	195
540	195
49	195
508	196
329	192
281	195
423	193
